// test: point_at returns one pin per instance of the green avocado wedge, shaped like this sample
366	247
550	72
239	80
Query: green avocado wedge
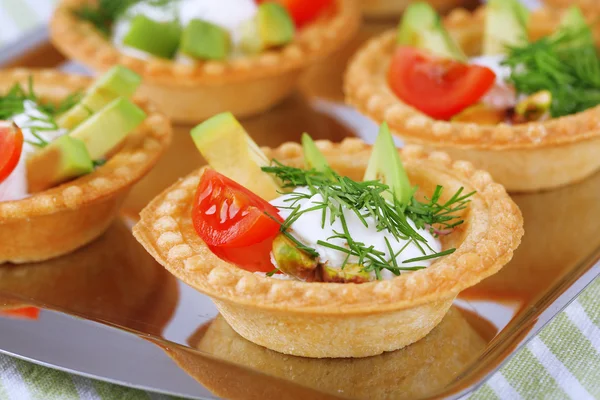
271	27
421	26
106	129
160	39
229	150
205	41
313	158
64	159
117	82
385	165
505	26
574	23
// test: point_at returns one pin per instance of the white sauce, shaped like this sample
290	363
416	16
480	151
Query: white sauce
308	230
14	186
501	95
228	14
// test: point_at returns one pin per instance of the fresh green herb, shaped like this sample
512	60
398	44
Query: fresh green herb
566	64
272	272
13	103
367	199
103	13
430	213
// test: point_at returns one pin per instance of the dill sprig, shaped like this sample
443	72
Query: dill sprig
13	103
566	64
366	199
103	13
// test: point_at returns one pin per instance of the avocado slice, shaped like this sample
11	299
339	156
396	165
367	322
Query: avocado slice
227	147
505	26
160	39
574	21
117	82
63	159
351	273
271	27
313	158
533	107
293	261
106	129
421	26
385	165
205	41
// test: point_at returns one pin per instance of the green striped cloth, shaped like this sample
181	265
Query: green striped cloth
562	362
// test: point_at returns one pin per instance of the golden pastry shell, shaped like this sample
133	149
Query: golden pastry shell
492	230
585	5
33	229
393	8
561	139
191	92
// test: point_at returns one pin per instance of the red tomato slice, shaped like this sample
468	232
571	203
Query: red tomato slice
302	11
253	258
226	214
436	86
11	143
24	312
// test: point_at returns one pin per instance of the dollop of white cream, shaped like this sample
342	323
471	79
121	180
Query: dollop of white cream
228	14
501	95
31	120
308	229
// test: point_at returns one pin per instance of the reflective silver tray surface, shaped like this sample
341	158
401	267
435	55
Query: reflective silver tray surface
110	312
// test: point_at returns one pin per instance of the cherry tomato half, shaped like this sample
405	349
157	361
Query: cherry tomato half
11	143
302	11
234	223
438	87
253	258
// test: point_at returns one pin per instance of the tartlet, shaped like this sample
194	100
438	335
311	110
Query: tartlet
192	93
61	219
326	319
526	157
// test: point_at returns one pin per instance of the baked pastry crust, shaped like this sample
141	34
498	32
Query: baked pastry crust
586	5
393	8
526	157
59	220
341	320
194	92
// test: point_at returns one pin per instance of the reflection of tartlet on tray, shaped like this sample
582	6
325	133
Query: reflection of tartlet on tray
525	157
418	370
559	234
393	8
193	92
325	319
113	279
61	219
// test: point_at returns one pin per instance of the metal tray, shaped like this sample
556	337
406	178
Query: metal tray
110	312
